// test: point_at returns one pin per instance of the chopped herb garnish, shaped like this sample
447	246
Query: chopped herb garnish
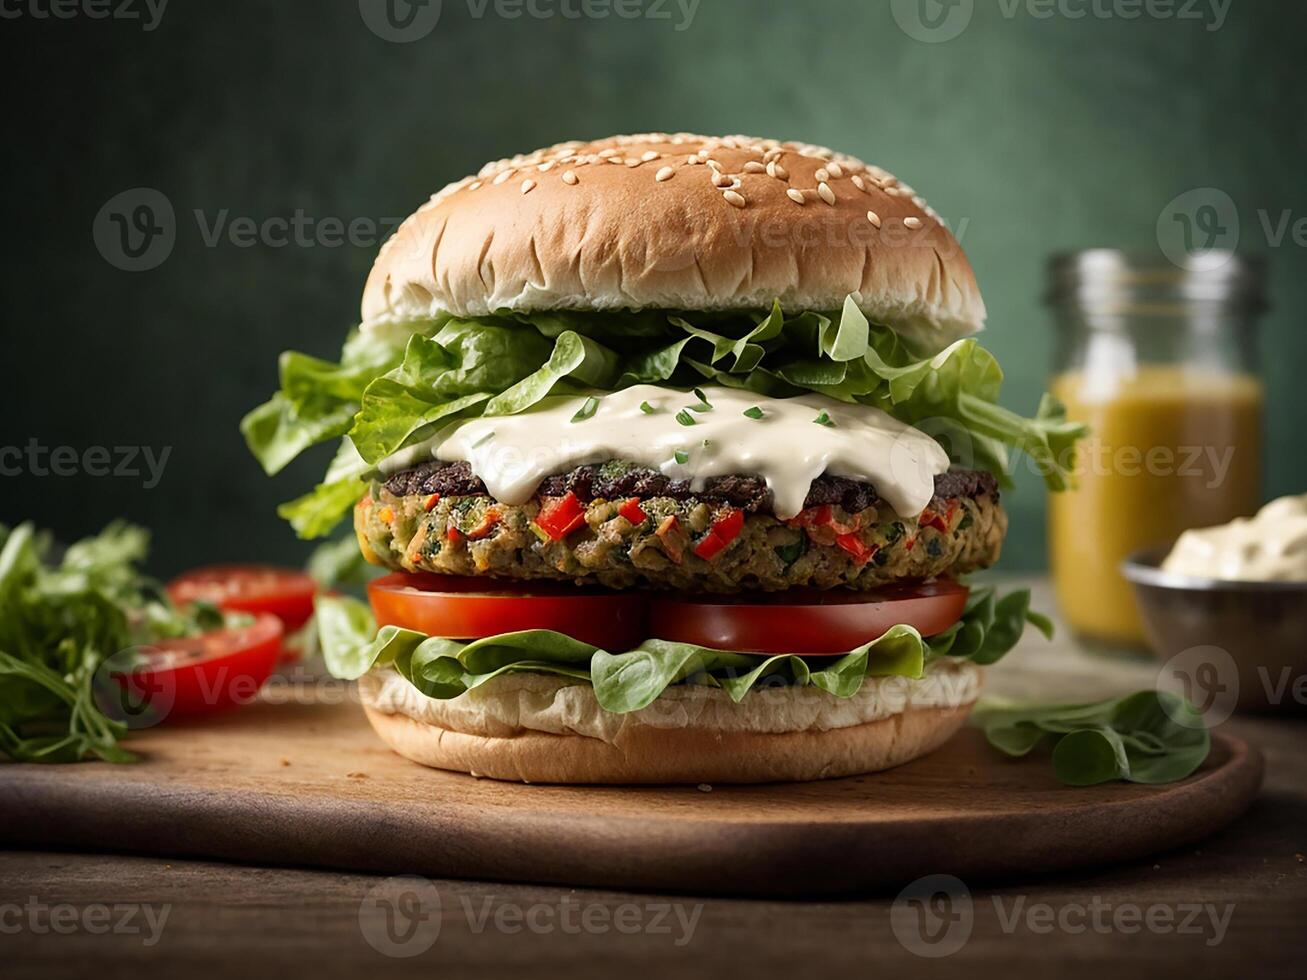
823	419
647	408
588	409
681	456
704	405
753	413
684	417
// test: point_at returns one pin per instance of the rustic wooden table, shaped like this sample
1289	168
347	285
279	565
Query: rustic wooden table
1236	904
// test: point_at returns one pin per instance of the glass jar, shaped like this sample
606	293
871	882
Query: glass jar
1160	361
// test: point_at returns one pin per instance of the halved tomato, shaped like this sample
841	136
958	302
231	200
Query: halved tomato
804	621
194	675
287	593
468	608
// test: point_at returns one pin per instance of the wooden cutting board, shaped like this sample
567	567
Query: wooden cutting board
309	784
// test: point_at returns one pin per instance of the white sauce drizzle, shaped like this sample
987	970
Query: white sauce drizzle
787	446
1269	547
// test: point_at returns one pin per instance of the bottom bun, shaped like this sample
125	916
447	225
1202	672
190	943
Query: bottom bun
643	753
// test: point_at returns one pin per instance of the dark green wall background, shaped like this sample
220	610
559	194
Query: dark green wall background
1042	134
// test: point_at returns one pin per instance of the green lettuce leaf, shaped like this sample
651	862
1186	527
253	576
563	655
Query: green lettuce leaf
633	679
1145	737
453	368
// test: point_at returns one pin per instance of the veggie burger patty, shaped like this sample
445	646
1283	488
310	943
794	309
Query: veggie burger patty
620	525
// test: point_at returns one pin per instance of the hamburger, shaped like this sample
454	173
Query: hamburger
677	449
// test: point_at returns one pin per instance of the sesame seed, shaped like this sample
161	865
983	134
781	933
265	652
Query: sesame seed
666	173
545	167
893	191
606	153
691	160
503	177
633	162
720	179
781	172
569	177
822	175
648	155
826	193
795	195
911	222
527	185
754	167
858	183
919	201
617	160
836	170
874	218
474	185
732	197
714	164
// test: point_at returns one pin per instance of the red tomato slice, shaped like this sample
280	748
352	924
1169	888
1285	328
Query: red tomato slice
804	621
287	593
468	608
189	676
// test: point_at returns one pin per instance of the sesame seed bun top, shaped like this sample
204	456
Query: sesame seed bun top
679	222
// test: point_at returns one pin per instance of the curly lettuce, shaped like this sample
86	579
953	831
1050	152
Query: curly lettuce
380	398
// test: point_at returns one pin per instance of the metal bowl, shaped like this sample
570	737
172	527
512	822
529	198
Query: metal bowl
1238	644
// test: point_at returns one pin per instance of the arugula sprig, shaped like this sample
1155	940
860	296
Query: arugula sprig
59	623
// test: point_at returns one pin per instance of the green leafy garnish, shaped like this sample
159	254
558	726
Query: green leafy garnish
630	680
59	623
647	408
390	390
587	409
1146	737
823	419
681	456
753	413
684	417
